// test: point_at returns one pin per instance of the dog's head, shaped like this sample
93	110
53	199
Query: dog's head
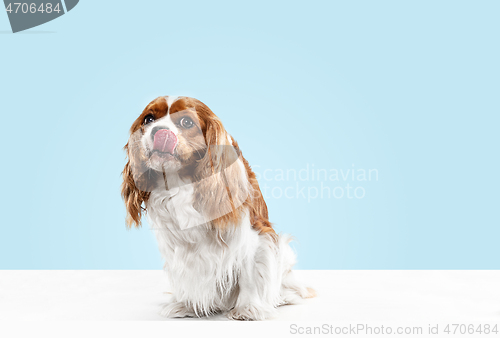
181	137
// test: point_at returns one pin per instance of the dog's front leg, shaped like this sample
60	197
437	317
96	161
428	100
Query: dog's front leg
258	290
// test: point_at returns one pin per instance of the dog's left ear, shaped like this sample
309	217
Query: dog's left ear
222	182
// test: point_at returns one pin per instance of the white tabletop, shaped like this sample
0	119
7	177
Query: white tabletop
343	296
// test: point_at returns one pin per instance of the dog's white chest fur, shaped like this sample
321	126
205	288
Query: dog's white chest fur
202	264
213	270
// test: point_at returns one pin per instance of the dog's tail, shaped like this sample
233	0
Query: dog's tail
292	290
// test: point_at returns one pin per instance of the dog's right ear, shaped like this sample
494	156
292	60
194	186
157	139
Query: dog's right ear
132	195
138	182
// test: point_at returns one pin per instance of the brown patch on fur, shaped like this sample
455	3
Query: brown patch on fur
133	198
311	293
132	195
258	208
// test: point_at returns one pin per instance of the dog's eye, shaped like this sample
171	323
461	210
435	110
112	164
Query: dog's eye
186	123
148	119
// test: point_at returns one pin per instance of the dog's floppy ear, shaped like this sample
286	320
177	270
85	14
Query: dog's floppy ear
222	183
132	196
137	183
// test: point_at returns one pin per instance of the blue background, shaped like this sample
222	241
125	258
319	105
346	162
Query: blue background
411	89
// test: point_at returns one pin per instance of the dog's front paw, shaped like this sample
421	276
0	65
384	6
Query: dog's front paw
177	310
252	312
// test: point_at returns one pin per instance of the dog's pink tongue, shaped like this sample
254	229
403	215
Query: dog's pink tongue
165	141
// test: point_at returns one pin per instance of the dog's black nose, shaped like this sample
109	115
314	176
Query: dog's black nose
155	129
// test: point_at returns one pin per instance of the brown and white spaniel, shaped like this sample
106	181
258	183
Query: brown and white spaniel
204	204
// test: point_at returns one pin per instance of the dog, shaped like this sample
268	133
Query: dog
206	209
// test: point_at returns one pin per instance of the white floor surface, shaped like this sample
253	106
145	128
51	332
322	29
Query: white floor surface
343	296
